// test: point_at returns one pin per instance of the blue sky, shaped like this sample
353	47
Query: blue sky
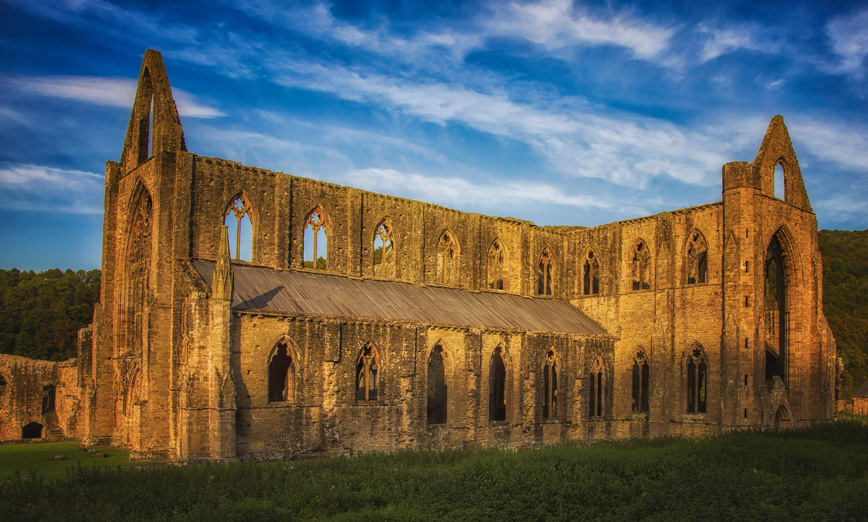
559	112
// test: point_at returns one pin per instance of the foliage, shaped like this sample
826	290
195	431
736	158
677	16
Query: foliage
845	300
42	313
815	473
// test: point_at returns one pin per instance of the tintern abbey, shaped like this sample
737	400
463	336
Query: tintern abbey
254	314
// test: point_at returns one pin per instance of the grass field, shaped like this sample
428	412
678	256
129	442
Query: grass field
816	473
39	457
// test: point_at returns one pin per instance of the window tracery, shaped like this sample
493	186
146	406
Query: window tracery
384	250
591	271
697	380
550	387
498	275
597	388
448	258
138	267
241	226
544	273
697	259
368	373
641	373
316	240
641	267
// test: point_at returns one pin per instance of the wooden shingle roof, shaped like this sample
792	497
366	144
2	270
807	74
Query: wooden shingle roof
319	294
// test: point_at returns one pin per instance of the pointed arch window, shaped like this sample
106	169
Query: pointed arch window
641	374
138	268
437	391
384	250
775	310
697	380
447	258
641	266
780	188
282	374
550	387
498	273
544	272
497	386
697	259
145	108
316	240
368	373
591	274
238	220
597	389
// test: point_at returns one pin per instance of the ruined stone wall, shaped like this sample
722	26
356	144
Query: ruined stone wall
38	399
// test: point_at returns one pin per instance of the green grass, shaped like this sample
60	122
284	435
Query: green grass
39	458
816	473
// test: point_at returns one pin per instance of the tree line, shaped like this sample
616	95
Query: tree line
40	314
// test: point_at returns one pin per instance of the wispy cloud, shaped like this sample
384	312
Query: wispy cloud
732	38
110	92
37	187
836	142
849	39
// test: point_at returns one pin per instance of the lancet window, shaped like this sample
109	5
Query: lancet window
368	373
497	386
437	391
544	273
550	387
697	380
447	258
641	374
697	259
384	250
591	274
138	267
316	240
237	219
498	275
641	267
282	374
597	389
48	398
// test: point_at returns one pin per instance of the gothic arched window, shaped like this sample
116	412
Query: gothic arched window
368	373
597	389
447	258
550	387
591	274
544	273
437	392
282	374
384	250
498	273
641	373
315	240
138	268
697	258
240	228
641	266
497	386
697	380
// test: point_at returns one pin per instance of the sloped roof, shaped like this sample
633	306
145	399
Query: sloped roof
862	391
306	293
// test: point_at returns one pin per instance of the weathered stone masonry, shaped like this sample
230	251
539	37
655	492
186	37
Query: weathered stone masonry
423	326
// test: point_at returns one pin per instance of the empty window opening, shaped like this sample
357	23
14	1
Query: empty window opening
746	301
368	374
747	266
497	387
745	379
31	431
775	311
550	387
697	381
544	273
237	219
2	384
437	393
641	267
48	397
591	280
597	389
745	413
498	275
281	375
315	240
447	258
780	182
697	259
384	251
641	374
145	110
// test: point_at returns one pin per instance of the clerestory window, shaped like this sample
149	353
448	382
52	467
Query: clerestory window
316	240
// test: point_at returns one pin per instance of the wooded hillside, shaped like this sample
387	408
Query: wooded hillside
40	314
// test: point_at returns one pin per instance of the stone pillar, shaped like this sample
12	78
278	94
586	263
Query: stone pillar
221	387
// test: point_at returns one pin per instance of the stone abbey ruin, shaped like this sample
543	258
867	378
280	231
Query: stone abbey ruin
366	322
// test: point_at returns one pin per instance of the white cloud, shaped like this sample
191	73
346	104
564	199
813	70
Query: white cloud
849	38
110	92
840	143
729	39
37	187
